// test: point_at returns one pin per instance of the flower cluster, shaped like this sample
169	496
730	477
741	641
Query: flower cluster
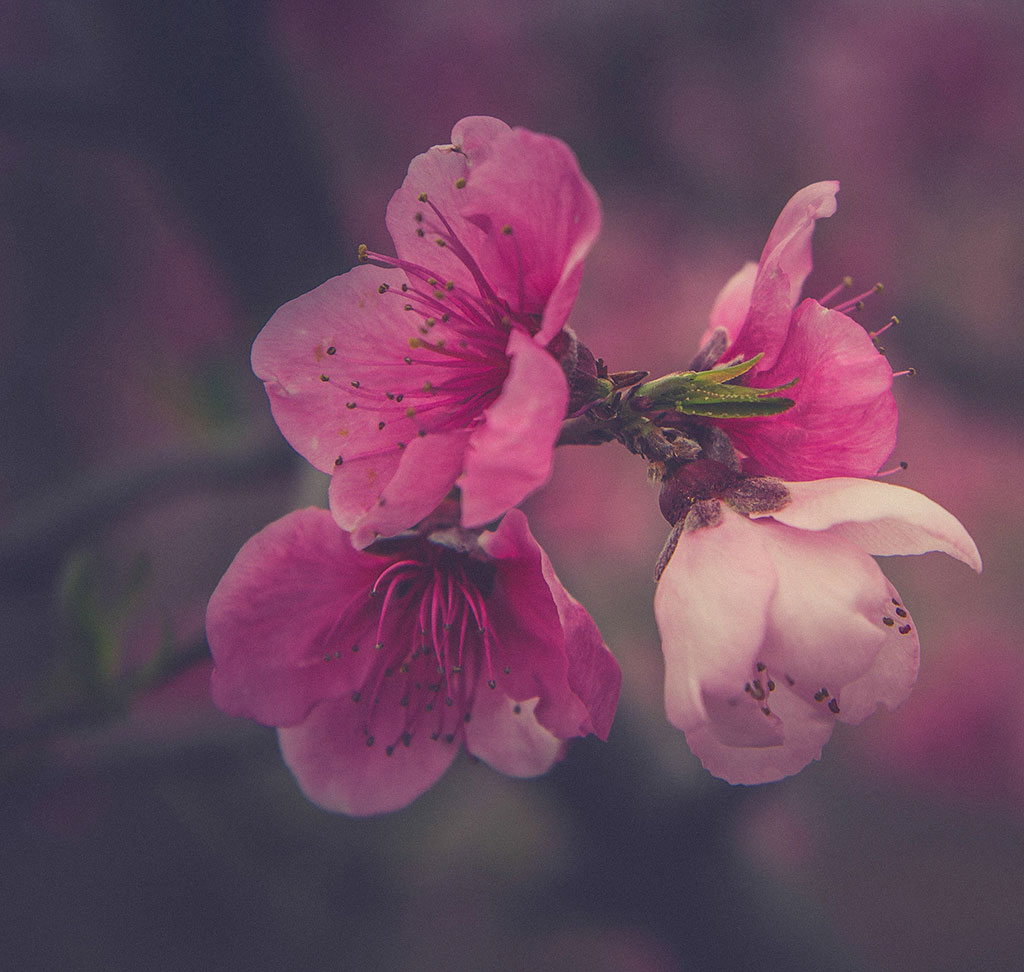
419	615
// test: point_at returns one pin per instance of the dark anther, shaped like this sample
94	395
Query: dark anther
332	350
507	670
338	461
354	383
356	696
435	736
888	621
324	378
467	717
369	740
406	739
403	702
350	404
449	737
491	683
383	288
904	629
901	612
760	666
390	750
897	603
380	426
833	706
766	710
517	708
771	685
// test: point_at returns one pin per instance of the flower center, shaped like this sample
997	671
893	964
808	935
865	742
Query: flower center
435	647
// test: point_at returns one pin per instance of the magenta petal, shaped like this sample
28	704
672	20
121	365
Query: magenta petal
337	770
844	420
528	608
512	453
506	735
275	615
880	518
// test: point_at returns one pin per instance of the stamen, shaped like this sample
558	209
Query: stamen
835	291
899	467
857	302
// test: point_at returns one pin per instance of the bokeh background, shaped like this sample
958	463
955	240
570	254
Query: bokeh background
172	172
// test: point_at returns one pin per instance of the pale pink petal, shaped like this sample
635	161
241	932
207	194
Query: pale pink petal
828	627
506	735
712	611
880	518
273	620
730	308
844	420
337	770
512	453
407	490
805	732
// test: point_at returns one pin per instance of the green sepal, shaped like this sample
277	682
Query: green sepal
709	393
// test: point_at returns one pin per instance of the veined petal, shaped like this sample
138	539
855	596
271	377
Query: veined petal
512	453
287	604
337	770
880	518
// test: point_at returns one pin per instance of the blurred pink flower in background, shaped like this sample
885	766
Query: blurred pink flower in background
374	667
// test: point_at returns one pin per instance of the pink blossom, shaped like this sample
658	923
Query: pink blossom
439	369
776	626
844	419
376	667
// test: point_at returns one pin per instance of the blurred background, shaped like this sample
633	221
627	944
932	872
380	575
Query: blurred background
170	173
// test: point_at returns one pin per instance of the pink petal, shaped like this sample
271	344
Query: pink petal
370	334
511	454
383	496
533	184
506	735
274	616
526	610
338	771
789	245
732	304
844	420
880	518
593	674
711	605
784	265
